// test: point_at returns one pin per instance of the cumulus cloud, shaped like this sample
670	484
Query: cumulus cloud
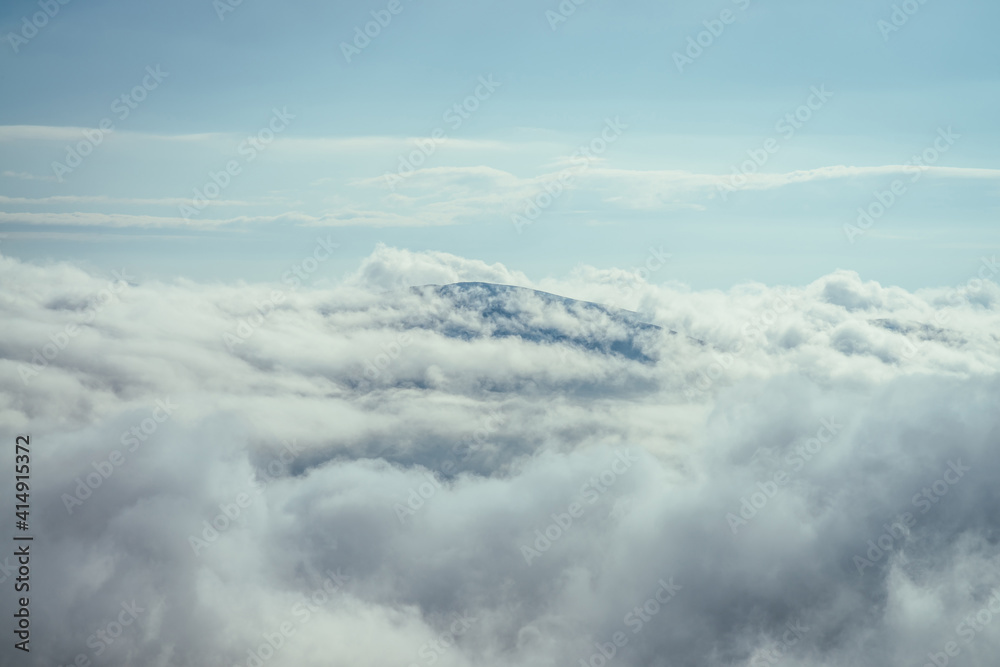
385	473
388	268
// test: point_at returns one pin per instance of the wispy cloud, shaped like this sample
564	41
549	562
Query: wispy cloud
74	133
25	176
103	199
78	218
450	195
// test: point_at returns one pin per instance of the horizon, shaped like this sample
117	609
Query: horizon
758	160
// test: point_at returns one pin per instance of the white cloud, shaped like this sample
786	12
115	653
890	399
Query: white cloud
25	176
62	133
517	405
103	199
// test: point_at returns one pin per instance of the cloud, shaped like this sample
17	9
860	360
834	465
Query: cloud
25	176
391	268
299	144
103	199
460	477
87	219
391	182
40	133
657	189
72	133
448	195
365	144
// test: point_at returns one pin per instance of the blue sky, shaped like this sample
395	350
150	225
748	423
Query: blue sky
552	87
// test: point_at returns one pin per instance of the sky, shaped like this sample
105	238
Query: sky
501	334
331	133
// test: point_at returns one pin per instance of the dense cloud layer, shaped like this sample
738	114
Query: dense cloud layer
474	476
